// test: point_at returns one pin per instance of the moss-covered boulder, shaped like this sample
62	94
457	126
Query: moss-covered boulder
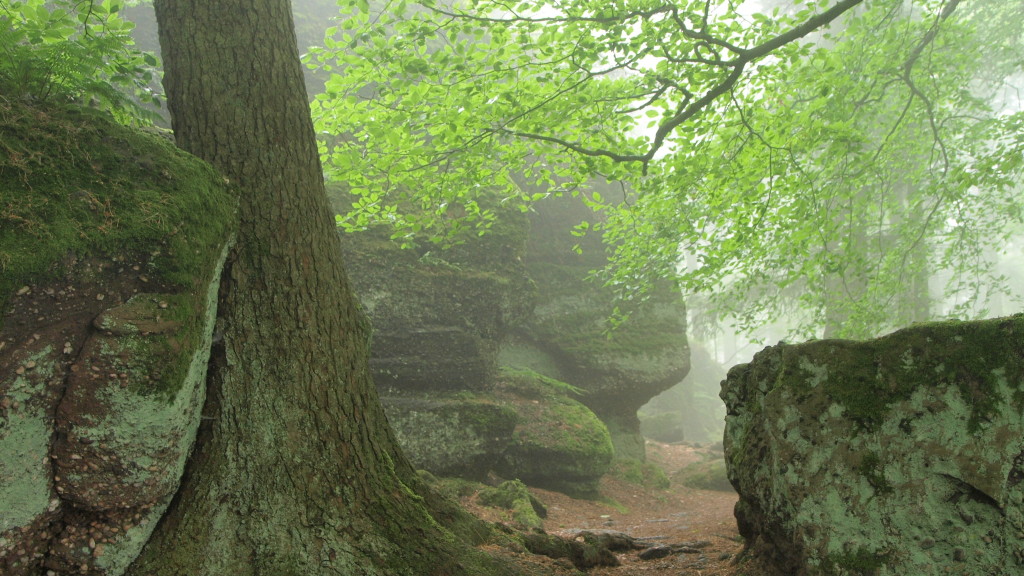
568	336
558	443
461	434
902	455
439	315
111	245
525	510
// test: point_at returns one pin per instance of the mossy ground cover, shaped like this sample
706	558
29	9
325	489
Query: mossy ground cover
74	183
644	474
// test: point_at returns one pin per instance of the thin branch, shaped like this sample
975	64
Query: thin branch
687	109
908	68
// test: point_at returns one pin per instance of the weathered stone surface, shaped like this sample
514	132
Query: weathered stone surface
451	435
439	316
558	443
444	320
95	435
902	455
526	426
119	441
108	300
567	337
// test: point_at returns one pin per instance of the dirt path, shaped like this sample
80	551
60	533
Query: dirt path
699	521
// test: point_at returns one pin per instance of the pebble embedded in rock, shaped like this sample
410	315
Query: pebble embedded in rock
655	552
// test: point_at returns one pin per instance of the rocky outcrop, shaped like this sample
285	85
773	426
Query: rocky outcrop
461	434
902	455
525	426
568	338
439	316
105	337
558	443
439	319
444	320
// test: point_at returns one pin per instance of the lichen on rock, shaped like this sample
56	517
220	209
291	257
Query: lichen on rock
900	455
451	434
112	247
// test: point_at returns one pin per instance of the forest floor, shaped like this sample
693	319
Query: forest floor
700	522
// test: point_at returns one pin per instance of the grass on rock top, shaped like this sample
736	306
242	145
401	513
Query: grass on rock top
75	183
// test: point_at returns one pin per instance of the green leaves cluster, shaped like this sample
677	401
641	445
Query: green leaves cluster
74	50
432	107
833	189
820	162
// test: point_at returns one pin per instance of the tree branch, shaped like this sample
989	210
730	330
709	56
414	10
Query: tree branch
689	109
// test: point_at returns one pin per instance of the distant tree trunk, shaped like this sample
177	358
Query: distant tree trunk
915	300
296	471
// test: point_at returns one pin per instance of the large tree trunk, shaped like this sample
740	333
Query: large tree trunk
296	470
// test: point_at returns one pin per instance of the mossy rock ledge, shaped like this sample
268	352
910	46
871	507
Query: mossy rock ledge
526	426
112	244
902	455
568	335
439	315
457	435
558	443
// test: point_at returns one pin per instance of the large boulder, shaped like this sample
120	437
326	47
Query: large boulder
525	426
568	336
109	298
558	443
462	434
439	316
902	455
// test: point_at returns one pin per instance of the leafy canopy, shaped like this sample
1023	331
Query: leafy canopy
75	50
819	157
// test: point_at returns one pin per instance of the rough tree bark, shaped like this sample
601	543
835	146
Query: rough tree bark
296	470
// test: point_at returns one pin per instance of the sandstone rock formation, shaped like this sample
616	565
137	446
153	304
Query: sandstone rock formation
567	336
902	455
439	316
439	319
558	443
109	299
444	320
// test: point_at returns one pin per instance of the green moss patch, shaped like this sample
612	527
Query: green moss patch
639	473
513	496
860	561
867	377
72	182
706	475
451	435
558	443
